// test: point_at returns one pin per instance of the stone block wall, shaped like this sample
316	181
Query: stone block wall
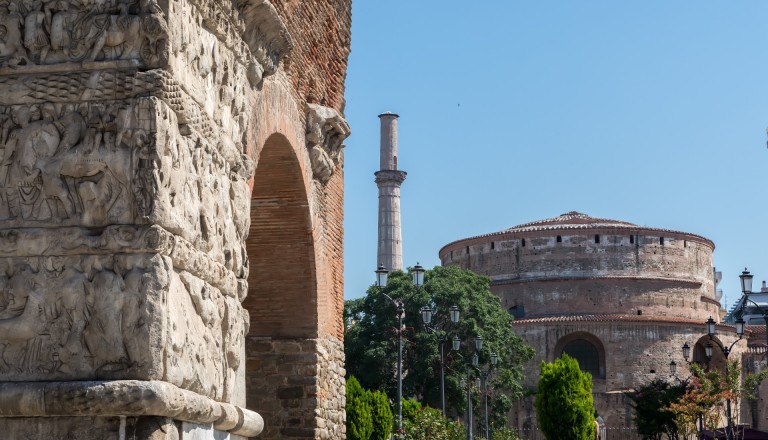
128	136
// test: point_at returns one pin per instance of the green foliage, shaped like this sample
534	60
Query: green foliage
370	343
504	434
359	420
381	414
752	383
653	418
411	409
429	424
564	402
708	392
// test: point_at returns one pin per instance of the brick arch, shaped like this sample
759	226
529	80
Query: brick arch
282	282
591	339
718	361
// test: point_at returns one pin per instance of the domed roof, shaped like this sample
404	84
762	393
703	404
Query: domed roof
571	220
577	220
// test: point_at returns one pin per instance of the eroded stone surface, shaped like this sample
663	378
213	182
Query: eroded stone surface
128	141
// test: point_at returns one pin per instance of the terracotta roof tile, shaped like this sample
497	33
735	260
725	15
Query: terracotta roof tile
615	317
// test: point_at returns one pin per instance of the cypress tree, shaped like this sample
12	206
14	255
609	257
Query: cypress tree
564	404
381	414
359	420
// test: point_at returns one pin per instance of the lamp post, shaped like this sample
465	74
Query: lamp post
427	313
471	363
484	387
382	275
711	329
746	290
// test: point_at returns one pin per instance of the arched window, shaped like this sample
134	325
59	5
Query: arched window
586	354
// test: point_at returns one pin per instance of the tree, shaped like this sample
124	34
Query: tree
653	418
564	402
709	393
381	414
370	345
358	408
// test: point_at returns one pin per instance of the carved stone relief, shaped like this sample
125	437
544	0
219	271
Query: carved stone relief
40	32
200	186
115	317
326	131
83	317
66	163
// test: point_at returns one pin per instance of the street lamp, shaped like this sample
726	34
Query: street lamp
418	275
484	374
746	290
472	363
427	313
382	275
740	326
746	281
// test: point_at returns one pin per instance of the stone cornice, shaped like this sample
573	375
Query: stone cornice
390	176
124	398
561	278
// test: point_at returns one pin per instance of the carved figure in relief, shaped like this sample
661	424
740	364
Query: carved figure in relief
33	151
326	130
107	302
59	164
12	50
35	35
23	321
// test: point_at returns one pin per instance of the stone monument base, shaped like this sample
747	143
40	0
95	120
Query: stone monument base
119	410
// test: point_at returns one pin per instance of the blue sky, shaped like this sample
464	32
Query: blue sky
653	112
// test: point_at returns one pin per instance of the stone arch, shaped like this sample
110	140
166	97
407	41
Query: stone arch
282	294
282	282
587	349
718	361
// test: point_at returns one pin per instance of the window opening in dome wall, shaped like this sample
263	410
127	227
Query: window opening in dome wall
661	241
597	238
517	311
492	245
685	243
559	239
586	354
522	242
631	239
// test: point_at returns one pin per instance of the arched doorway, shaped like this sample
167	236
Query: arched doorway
588	351
718	361
282	295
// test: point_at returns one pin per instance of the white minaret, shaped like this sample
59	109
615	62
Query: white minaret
389	179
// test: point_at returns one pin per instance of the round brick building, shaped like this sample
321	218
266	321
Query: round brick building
620	298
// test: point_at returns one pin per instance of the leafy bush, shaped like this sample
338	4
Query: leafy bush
429	424
359	420
381	414
504	434
564	403
411	409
